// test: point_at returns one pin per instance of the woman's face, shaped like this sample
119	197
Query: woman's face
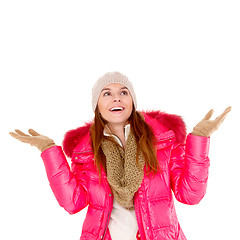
115	96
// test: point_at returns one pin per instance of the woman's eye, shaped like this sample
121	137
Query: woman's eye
124	93
109	93
106	94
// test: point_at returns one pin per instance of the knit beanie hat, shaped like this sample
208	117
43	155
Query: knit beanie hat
108	78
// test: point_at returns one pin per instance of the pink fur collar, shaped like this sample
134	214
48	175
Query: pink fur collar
165	122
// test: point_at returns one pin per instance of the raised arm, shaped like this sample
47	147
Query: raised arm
69	190
190	163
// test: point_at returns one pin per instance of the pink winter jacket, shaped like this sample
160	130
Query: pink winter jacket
184	171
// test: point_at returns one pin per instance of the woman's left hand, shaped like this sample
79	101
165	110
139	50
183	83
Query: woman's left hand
206	127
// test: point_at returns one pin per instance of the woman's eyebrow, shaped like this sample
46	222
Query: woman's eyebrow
106	89
110	88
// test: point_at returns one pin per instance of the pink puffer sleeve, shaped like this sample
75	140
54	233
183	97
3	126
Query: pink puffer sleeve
189	166
69	191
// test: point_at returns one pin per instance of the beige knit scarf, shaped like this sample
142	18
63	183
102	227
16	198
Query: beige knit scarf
123	173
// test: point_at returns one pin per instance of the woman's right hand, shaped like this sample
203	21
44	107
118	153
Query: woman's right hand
35	139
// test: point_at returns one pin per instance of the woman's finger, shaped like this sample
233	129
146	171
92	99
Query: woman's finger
13	134
21	133
223	115
33	133
20	137
208	115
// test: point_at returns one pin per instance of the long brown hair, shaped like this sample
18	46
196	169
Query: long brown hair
145	138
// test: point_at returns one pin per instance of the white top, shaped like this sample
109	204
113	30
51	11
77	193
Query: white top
123	222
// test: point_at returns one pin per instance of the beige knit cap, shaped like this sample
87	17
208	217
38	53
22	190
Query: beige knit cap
108	78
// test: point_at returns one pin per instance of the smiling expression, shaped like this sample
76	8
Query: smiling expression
115	103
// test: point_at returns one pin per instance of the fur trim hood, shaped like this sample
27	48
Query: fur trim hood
162	121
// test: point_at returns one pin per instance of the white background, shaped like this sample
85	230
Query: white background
183	57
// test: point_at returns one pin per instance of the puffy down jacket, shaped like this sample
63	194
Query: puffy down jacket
184	163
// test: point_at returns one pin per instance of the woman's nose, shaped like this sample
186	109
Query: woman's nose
116	98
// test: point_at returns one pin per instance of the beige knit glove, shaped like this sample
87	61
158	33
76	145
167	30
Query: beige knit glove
206	127
35	139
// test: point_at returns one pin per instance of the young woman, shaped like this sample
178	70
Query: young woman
126	164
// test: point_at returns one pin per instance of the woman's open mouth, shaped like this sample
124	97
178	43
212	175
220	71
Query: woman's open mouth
116	109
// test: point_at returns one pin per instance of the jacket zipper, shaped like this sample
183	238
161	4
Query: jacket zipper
139	218
105	230
110	202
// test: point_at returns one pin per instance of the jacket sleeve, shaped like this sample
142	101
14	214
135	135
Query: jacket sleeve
69	190
189	166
